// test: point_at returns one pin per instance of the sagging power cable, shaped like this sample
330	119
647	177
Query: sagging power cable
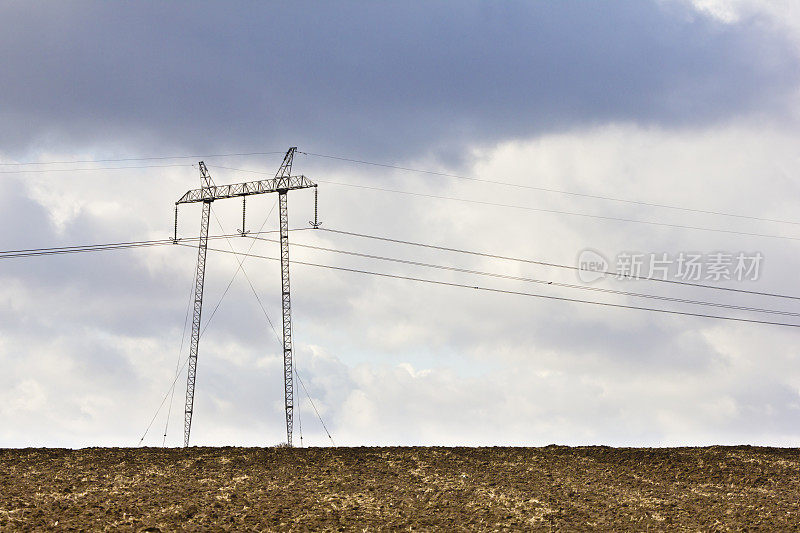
540	281
151	158
58	250
558	265
522	293
547	189
240	260
537	209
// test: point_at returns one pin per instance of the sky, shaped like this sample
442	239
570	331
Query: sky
544	130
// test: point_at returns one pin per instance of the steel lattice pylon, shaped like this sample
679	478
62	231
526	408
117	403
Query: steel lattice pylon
288	384
282	184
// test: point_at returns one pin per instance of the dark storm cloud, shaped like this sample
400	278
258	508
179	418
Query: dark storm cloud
372	79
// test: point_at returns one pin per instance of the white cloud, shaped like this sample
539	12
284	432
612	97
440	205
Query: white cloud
783	15
429	364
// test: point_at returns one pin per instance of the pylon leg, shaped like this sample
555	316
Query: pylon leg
287	316
198	308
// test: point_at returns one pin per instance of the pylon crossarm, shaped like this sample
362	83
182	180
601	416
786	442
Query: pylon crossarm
247	188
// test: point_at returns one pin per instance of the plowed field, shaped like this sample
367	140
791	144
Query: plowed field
552	488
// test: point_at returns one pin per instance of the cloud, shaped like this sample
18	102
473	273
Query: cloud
380	80
650	101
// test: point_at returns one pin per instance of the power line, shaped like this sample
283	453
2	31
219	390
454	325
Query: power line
558	265
68	248
178	362
35	252
186	360
299	418
546	189
520	293
179	369
296	373
561	212
543	282
376	164
152	158
264	311
39	171
240	267
177	375
25	252
537	209
80	250
314	406
134	244
283	182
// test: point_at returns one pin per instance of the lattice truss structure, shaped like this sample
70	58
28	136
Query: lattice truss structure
282	183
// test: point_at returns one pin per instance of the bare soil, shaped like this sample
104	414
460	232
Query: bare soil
549	489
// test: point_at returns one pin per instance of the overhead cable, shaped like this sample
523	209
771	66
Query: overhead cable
547	189
519	293
540	281
558	265
536	209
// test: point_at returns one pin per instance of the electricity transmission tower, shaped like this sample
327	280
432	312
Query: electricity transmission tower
208	193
